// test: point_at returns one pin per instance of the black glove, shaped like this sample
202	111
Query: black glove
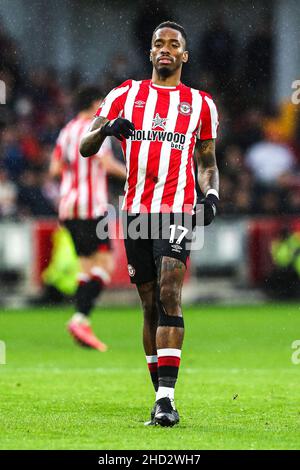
118	128
209	204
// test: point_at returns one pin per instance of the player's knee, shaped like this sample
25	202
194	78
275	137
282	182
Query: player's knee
147	296
109	264
169	306
110	267
148	307
150	314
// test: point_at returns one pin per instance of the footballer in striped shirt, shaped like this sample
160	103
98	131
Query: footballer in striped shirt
83	203
161	124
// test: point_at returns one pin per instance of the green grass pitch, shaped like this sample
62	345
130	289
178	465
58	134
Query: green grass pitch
237	388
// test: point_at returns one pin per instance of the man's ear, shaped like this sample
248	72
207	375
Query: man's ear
185	57
150	57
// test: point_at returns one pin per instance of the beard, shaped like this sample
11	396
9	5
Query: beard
164	72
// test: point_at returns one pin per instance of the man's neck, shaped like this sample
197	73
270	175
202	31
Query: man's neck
173	80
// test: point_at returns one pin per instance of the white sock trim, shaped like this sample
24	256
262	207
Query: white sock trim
164	392
151	359
97	271
80	318
84	277
169	352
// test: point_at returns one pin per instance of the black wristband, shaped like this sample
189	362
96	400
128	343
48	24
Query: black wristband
213	199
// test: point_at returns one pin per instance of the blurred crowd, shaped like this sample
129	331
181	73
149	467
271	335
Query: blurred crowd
258	146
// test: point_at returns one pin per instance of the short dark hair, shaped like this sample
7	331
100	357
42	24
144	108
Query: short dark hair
172	25
85	96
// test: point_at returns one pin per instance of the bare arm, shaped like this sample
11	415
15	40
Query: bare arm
55	169
113	166
208	173
92	141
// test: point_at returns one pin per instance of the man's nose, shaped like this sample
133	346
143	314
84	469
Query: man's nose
165	50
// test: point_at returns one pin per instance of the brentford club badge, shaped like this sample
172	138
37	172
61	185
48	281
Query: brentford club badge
131	270
185	108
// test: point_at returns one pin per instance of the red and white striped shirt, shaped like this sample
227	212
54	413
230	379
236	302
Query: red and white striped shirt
83	190
159	155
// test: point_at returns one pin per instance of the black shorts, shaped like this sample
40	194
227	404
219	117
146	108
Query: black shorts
84	235
148	237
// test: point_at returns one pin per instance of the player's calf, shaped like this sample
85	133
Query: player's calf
170	331
147	293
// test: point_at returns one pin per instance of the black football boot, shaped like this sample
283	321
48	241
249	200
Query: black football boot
165	415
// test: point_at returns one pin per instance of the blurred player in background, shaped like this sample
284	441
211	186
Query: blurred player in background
158	122
83	202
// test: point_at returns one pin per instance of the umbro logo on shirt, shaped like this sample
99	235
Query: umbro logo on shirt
139	104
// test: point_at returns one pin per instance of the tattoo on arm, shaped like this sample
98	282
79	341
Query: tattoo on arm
208	173
205	145
97	123
92	141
